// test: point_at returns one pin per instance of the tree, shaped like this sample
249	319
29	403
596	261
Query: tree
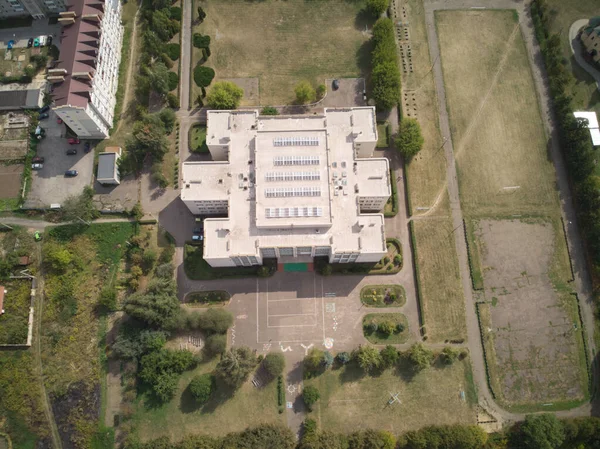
108	298
542	432
163	25
409	140
343	358
80	207
203	76
216	344
314	361
168	117
310	395
164	270
449	355
161	370
327	359
201	387
377	7
271	436
387	328
368	358
420	357
235	366
389	356
158	77
148	260
56	256
215	321
386	85
225	95
158	311
305	93
274	363
367	439
269	110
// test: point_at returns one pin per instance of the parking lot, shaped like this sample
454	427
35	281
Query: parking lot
49	185
22	35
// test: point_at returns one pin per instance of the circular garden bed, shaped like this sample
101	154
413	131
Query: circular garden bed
385	328
207	298
383	296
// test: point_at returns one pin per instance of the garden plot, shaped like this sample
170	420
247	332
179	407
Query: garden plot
533	335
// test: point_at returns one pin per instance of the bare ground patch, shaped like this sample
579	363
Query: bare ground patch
532	336
10	180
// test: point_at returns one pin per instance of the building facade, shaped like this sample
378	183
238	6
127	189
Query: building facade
290	187
86	79
590	37
38	9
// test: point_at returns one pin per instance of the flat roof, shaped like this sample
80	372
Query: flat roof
592	125
291	181
106	165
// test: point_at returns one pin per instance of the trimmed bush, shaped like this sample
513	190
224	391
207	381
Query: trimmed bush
201	387
274	363
173	51
409	140
310	395
377	7
269	110
384	60
201	41
203	76
305	93
173	80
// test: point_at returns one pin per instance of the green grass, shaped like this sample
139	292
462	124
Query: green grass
350	400
377	337
225	412
206	298
383	135
8	204
14	322
391	207
198	139
198	269
374	295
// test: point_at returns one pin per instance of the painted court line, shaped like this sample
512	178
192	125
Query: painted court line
293	314
290	299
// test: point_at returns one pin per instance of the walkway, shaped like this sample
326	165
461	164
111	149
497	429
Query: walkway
576	48
582	281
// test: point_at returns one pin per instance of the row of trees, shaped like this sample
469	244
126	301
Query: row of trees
536	432
385	75
573	134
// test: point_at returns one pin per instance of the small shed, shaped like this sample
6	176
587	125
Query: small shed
592	125
108	170
24	261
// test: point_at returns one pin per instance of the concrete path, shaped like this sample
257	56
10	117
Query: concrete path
576	48
40	225
582	282
186	54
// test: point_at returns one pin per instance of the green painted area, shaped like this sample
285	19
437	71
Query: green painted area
295	267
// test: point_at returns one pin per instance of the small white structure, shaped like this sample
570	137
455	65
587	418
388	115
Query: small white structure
108	171
290	187
592	125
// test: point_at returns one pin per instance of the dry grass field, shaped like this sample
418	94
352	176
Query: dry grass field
426	173
350	401
284	42
499	141
442	296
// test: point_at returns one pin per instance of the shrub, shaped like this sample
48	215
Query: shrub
314	362
327	270
368	358
173	80
449	355
235	366
420	356
108	298
387	328
173	51
377	7
215	321
225	95
305	93
343	358
172	101
167	117
164	270
201	387
216	344
274	363
399	326
148	260
201	41
310	395
175	12
321	91
203	76
409	140
371	328
269	110
389	356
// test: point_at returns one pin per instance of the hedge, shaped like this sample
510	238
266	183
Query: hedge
201	41
394	211
385	74
173	51
173	80
203	76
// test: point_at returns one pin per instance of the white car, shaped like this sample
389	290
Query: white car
37	166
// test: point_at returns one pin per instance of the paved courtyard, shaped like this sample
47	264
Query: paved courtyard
49	185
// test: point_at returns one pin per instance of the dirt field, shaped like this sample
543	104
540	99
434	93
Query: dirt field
10	180
426	173
534	336
350	401
442	296
499	141
282	43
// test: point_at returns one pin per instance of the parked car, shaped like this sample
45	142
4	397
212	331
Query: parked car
38	160
30	42
37	236
10	45
43	40
36	42
71	173
49	40
197	238
335	84
87	147
71	152
73	141
36	166
43	116
44	109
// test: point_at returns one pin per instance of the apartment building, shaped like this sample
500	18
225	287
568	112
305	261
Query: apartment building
290	187
86	78
38	9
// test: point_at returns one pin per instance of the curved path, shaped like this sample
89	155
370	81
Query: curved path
582	279
575	44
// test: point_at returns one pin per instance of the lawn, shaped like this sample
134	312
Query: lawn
380	338
198	269
282	43
441	296
499	141
383	135
351	401
14	321
249	406
198	139
383	296
426	172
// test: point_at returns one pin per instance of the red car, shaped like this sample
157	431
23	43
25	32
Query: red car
59	121
38	160
73	141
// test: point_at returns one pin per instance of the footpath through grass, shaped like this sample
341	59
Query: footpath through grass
351	401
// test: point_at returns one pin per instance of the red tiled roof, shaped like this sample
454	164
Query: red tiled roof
79	43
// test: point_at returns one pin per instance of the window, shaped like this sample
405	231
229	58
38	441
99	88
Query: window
322	251
304	250
268	252
286	251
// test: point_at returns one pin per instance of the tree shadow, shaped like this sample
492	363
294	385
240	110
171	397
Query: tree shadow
364	20
222	394
405	370
352	373
363	60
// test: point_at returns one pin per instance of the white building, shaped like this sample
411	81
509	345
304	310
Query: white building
290	187
108	167
38	9
87	75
